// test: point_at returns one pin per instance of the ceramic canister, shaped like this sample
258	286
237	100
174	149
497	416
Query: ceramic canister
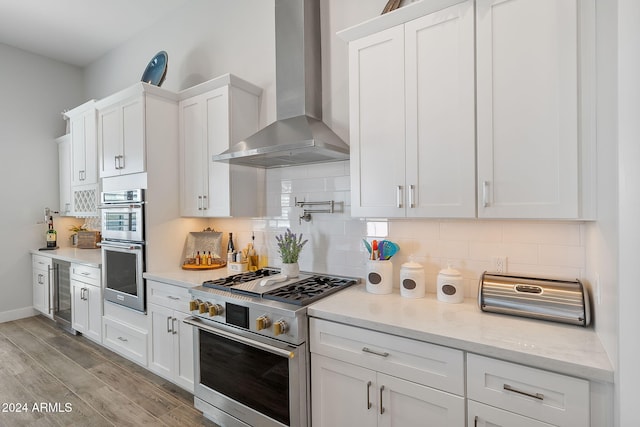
379	277
412	280
450	286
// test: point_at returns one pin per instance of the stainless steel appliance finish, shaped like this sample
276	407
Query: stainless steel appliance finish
123	215
123	248
298	135
62	294
557	300
251	354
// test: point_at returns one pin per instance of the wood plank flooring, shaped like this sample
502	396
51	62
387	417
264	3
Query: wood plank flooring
51	378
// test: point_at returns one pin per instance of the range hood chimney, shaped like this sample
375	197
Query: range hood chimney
298	136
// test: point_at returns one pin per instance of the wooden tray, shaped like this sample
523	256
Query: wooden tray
203	267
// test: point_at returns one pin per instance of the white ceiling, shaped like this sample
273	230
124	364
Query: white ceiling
77	32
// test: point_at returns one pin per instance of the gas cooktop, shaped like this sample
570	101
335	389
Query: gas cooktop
269	284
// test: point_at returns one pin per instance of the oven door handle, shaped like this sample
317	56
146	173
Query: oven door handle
120	245
121	206
194	321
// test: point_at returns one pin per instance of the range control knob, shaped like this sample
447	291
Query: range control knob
262	322
280	327
204	307
194	304
215	310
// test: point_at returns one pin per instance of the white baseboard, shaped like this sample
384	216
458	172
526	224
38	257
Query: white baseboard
21	313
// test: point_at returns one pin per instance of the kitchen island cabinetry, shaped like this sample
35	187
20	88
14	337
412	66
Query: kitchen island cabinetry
535	108
42	281
412	131
128	121
362	377
212	116
86	308
171	340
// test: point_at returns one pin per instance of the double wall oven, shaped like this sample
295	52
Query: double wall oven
251	354
123	247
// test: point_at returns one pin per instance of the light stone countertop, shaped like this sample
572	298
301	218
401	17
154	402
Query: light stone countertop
187	278
568	349
90	257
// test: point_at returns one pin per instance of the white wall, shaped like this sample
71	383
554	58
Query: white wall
35	91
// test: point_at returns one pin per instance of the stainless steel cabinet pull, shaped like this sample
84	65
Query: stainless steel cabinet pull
121	162
475	421
205	203
538	396
115	162
368	399
485	193
174	331
199	203
412	189
40	279
399	196
169	324
123	339
377	353
172	297
381	407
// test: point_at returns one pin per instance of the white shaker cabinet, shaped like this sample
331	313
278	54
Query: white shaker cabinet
412	132
171	344
533	115
86	310
41	268
213	116
64	174
130	122
366	378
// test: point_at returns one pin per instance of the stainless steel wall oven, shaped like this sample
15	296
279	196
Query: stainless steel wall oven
123	248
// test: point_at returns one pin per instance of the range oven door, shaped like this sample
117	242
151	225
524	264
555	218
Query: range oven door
257	380
122	269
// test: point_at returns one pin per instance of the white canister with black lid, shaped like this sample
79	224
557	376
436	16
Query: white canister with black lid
450	286
412	280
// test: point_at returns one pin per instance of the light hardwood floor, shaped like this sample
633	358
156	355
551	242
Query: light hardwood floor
58	379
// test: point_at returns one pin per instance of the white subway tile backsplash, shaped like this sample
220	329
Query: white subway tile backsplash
553	248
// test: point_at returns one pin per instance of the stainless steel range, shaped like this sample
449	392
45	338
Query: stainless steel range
251	354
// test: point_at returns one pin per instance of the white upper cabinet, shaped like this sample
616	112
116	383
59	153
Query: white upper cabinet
82	125
529	84
423	81
64	171
128	122
213	116
412	117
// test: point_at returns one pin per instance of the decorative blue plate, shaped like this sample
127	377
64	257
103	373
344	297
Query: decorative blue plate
156	71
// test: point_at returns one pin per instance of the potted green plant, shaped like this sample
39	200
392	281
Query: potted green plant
289	246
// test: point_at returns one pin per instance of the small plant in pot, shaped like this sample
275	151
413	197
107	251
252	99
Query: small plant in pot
289	246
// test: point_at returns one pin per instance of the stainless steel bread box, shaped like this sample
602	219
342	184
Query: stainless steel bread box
564	301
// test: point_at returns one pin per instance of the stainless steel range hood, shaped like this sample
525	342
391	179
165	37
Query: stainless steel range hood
298	136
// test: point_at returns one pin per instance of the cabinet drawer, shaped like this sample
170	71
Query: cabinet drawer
169	296
126	340
481	415
432	365
41	262
85	274
542	395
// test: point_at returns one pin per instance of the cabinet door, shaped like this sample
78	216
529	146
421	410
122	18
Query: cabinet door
84	148
161	352
64	170
527	100
80	308
408	404
183	351
216	104
342	394
93	328
192	157
109	141
40	291
480	415
133	136
440	114
377	124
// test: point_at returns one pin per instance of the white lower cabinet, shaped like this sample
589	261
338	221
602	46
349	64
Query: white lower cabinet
41	267
367	378
86	310
533	396
125	332
171	344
